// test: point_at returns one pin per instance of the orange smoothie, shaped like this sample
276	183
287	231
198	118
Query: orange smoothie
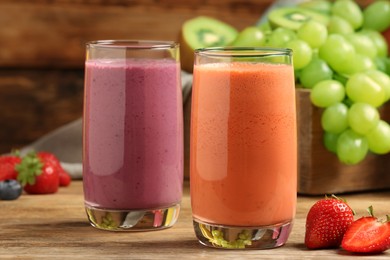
243	144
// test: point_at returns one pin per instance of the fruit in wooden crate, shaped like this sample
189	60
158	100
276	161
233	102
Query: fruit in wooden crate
337	41
345	47
294	17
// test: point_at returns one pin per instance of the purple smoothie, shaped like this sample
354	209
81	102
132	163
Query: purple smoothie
133	134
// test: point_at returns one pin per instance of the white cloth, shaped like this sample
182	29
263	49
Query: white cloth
66	141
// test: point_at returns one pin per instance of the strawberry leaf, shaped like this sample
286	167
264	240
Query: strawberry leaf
370	210
29	168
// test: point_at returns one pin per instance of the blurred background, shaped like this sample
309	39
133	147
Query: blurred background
42	51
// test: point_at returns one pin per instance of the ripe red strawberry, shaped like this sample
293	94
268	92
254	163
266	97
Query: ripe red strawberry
49	157
64	177
38	174
367	235
7	166
326	223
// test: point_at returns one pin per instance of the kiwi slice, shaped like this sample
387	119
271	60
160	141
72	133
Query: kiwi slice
294	17
201	32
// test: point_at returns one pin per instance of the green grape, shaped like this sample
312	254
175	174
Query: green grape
362	88
352	148
363	44
334	119
330	141
313	33
280	36
379	41
317	70
377	16
265	27
382	79
302	53
326	93
338	53
361	63
379	138
362	118
338	25
350	11
321	6
251	36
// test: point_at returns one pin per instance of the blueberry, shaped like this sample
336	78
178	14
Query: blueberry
10	189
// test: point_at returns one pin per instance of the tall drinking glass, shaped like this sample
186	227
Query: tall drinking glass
243	165
132	135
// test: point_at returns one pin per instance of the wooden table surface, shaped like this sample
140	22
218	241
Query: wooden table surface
55	227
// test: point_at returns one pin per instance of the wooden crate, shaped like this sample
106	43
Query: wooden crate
319	171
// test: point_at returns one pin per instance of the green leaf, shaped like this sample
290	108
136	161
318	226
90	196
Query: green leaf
370	210
29	168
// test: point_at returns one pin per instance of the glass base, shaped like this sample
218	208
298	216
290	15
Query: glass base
133	220
232	237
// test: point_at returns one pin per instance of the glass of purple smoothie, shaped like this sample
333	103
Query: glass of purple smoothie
132	135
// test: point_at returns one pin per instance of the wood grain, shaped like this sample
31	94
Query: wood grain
55	227
320	171
53	33
43	50
34	102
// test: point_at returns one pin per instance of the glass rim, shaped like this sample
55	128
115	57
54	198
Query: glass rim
244	52
133	44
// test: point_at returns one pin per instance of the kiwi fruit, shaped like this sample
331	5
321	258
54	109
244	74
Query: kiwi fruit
293	17
202	32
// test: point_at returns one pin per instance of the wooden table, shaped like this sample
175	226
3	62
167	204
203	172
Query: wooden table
55	227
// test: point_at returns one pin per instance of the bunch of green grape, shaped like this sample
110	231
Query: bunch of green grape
346	65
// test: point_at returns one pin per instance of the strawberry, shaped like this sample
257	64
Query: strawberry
7	166
38	174
50	157
326	223
367	235
64	177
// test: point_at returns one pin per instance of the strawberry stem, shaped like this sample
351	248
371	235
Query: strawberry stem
370	210
337	198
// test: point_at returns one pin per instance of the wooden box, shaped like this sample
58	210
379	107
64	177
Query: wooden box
319	171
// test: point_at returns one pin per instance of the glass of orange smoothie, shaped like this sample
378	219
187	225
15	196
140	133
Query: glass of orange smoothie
243	165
